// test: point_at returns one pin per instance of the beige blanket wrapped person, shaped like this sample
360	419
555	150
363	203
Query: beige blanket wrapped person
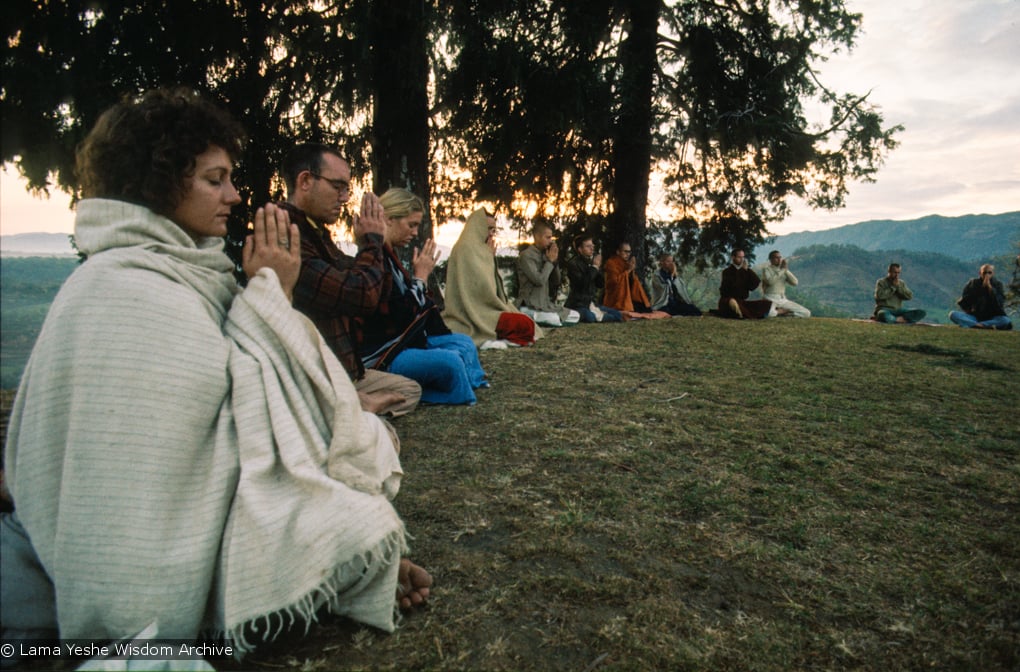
474	293
168	449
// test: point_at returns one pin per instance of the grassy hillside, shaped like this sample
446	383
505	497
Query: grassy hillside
705	494
27	287
836	281
968	238
841	279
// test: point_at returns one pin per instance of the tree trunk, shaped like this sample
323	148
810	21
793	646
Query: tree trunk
632	146
400	114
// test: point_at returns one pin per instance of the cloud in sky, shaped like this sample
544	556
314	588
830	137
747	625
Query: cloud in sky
947	70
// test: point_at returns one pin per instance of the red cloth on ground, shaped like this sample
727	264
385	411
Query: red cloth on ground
516	327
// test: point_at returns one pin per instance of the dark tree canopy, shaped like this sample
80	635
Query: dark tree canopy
285	69
548	109
711	94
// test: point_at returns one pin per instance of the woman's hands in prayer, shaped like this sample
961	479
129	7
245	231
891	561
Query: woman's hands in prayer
424	261
274	243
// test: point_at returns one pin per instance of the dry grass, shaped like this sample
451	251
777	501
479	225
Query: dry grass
703	494
714	495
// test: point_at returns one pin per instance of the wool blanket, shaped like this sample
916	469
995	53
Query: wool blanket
187	454
474	295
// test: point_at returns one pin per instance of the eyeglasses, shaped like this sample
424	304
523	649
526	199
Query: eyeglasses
342	187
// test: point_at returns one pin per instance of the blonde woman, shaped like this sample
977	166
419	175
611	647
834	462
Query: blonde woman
406	335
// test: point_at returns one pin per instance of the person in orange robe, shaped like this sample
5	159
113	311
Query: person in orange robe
623	289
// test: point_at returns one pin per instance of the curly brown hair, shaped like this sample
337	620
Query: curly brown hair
142	150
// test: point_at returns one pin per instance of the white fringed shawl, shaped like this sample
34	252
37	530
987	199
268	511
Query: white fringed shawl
168	448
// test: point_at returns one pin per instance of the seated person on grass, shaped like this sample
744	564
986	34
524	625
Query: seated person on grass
775	276
584	270
738	281
476	302
335	288
982	305
669	292
406	334
890	293
207	467
539	280
623	288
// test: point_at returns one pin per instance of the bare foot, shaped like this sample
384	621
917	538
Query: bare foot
735	307
901	320
413	584
380	402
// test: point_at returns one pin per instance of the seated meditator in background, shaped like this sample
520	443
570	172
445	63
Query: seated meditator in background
584	271
183	453
623	289
476	302
407	335
334	289
890	293
983	304
538	281
775	276
738	281
669	292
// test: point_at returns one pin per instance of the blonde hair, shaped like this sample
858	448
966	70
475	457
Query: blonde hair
398	203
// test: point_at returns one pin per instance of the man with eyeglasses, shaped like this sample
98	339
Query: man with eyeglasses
982	305
333	288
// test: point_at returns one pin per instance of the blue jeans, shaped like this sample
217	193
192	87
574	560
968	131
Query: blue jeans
967	320
448	370
889	315
608	315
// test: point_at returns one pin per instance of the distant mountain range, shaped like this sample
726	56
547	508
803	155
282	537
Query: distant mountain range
971	238
36	245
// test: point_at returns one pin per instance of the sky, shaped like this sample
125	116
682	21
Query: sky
947	70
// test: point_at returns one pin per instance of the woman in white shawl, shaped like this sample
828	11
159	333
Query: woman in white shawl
181	453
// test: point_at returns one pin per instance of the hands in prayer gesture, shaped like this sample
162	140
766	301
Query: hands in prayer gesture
274	243
425	260
372	218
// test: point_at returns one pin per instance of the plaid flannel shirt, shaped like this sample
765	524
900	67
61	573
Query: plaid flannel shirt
333	288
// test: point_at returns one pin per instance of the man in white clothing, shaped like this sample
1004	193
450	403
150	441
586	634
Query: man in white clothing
774	279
